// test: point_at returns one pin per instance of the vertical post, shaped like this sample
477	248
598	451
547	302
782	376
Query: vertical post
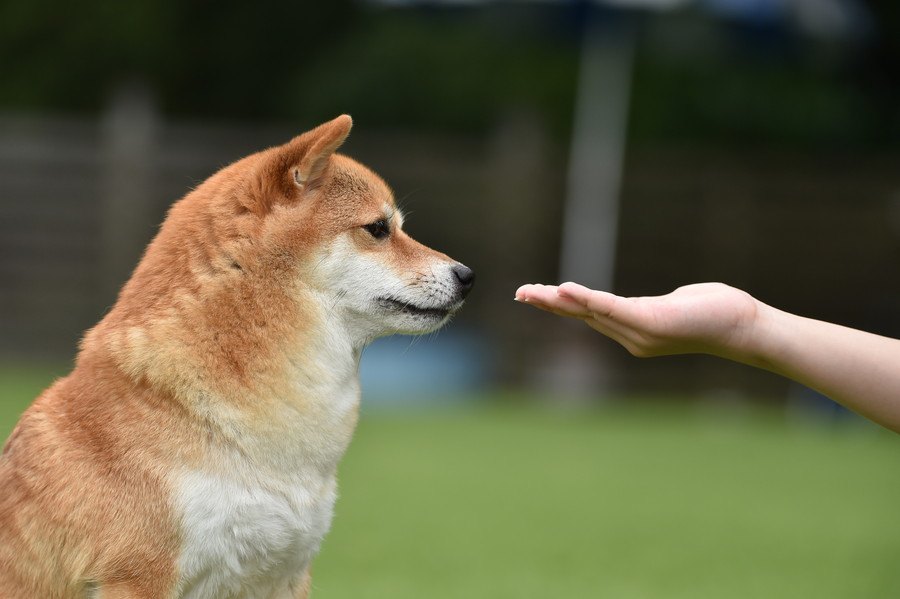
130	127
574	365
517	162
596	157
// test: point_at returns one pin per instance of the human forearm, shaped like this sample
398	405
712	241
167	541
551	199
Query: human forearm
857	369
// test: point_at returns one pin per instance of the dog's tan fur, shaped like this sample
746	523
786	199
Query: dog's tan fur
195	368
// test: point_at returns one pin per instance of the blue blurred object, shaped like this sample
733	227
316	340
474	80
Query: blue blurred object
438	368
754	10
824	18
811	405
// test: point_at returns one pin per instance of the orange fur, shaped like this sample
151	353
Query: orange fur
194	356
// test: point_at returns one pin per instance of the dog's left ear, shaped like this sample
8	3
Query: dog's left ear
321	142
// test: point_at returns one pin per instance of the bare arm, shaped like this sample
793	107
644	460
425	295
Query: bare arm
858	369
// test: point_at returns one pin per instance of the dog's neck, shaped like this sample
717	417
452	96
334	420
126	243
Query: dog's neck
284	390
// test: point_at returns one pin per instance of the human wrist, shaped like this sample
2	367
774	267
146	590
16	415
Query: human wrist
761	343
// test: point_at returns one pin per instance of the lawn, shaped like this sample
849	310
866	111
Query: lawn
514	501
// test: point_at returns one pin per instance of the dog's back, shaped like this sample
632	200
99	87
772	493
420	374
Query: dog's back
193	450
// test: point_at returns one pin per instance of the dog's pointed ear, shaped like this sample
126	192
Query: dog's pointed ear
288	170
321	142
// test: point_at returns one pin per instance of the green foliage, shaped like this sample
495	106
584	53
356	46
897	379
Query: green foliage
227	58
697	77
271	59
735	101
450	71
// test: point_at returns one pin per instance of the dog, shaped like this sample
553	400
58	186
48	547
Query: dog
192	451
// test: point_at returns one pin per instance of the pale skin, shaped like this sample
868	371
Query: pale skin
857	369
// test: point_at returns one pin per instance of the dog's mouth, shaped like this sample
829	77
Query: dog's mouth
395	305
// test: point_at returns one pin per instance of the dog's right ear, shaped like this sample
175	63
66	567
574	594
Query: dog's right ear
298	166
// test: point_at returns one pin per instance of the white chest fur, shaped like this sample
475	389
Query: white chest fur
250	530
245	541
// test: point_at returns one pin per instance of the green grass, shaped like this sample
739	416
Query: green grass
617	503
20	384
637	502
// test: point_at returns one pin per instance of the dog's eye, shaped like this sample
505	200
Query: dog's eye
379	229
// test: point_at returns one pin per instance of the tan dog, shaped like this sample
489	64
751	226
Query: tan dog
192	451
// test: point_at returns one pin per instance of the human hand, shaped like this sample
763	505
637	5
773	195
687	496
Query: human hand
708	318
857	369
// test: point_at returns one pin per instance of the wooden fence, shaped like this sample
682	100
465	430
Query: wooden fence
818	234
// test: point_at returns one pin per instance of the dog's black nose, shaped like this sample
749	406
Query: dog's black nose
465	276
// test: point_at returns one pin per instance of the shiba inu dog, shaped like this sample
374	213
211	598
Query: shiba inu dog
192	451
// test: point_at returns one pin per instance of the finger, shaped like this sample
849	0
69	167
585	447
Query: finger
627	337
595	301
612	329
555	311
601	304
547	298
525	290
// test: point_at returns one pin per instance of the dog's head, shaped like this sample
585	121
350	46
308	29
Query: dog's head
288	245
334	224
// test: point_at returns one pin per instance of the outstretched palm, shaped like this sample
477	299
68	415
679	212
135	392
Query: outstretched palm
703	318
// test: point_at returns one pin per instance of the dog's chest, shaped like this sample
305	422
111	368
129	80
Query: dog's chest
251	530
244	541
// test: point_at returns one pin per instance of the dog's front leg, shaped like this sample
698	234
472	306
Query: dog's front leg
300	587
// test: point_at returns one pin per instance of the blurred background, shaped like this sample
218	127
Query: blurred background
631	145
